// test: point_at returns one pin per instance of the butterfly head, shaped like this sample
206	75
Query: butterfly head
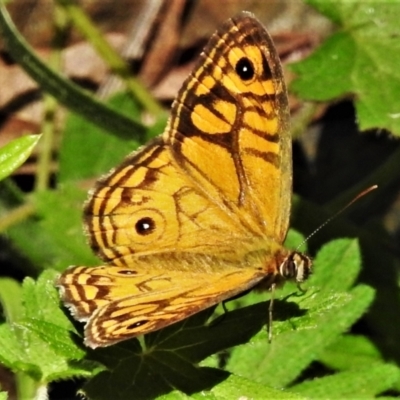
296	266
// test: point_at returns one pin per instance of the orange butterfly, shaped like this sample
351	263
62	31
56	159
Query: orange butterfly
199	214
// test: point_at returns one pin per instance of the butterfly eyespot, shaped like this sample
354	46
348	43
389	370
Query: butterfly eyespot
137	324
145	226
245	69
127	272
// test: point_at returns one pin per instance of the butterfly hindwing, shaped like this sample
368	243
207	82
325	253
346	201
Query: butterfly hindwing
119	303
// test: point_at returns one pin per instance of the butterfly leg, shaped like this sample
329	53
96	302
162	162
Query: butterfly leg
270	310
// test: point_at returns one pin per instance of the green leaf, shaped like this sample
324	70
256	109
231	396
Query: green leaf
56	231
88	151
175	395
356	61
297	341
13	353
365	382
304	325
338	264
61	223
168	358
350	352
15	153
294	239
10	298
39	343
248	389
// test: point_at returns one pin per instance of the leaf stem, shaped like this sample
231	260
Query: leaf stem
113	59
62	89
16	215
50	105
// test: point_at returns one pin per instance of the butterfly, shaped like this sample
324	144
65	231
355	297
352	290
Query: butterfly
199	214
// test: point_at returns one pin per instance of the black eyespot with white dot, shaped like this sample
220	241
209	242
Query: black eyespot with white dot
127	272
145	226
137	324
245	69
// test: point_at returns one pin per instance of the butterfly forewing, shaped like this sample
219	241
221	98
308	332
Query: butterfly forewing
148	206
232	115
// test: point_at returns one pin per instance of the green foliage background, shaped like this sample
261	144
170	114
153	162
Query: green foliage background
320	349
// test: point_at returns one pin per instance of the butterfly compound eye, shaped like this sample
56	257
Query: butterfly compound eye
245	69
296	267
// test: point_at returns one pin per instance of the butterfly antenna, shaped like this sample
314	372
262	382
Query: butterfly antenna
334	216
